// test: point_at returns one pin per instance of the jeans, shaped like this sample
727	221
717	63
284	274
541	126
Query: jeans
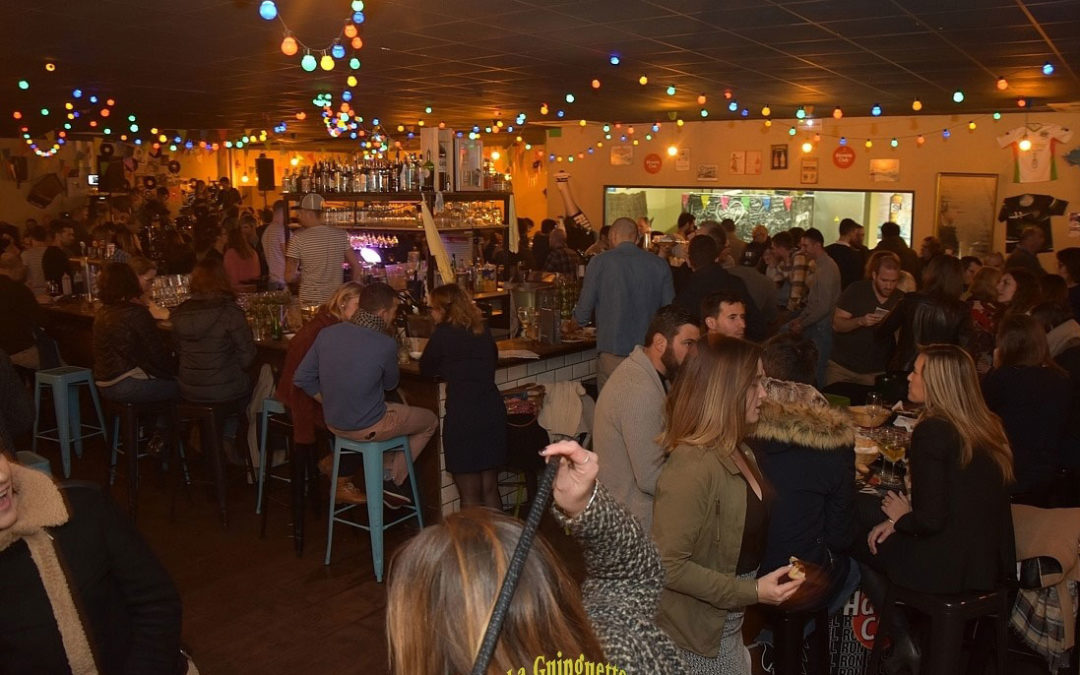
134	390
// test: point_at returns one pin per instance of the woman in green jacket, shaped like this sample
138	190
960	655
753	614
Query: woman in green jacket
710	516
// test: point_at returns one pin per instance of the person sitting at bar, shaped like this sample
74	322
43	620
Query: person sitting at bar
710	516
1026	253
625	286
609	623
630	411
986	314
710	277
953	534
1033	397
33	259
83	593
933	315
54	263
348	369
725	314
19	314
213	339
462	352
241	261
146	270
306	412
561	259
132	363
859	353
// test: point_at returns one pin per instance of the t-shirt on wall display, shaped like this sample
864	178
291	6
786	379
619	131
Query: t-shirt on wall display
778	209
1026	210
1034	146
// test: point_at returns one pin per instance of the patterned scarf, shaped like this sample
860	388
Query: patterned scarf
368	320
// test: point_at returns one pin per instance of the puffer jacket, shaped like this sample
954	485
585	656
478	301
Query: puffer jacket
806	453
925	319
125	336
215	346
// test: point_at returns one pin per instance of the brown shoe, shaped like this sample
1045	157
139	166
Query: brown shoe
347	493
326	465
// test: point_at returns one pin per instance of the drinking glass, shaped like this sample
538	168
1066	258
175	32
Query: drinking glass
875	402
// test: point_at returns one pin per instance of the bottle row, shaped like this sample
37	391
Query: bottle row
406	173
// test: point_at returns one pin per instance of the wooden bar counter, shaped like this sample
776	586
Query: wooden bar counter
70	324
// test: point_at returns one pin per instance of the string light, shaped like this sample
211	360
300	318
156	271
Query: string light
733	106
958	96
1002	84
807	146
704	112
916	105
1024	145
766	111
920	140
326	62
570	98
876	110
1048	69
614	59
800	113
268	10
837	112
670	90
869	143
701	99
595	84
643	80
894	143
971	125
792	131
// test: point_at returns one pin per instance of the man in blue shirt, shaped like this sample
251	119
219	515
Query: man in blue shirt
625	286
349	368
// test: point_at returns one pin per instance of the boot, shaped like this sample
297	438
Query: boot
905	655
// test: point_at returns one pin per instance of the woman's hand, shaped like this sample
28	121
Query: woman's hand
880	533
895	505
576	479
770	591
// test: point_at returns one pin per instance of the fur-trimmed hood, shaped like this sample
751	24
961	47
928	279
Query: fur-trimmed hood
40	505
807	425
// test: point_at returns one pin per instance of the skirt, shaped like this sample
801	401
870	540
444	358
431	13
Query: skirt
733	657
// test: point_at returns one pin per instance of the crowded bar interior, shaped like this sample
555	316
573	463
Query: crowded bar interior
507	336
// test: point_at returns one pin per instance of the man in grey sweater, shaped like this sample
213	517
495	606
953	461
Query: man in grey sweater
815	319
630	411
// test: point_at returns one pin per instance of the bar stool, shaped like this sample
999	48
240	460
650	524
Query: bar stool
372	452
788	628
69	427
271	407
125	436
303	470
949	615
211	418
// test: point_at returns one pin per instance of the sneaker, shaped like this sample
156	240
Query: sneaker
397	496
348	493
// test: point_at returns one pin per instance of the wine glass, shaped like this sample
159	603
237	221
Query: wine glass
875	403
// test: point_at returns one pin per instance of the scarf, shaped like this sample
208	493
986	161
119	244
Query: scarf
40	505
371	321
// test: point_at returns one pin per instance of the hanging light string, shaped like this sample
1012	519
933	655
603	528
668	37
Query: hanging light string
334	51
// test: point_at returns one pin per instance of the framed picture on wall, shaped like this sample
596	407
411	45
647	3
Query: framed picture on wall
964	213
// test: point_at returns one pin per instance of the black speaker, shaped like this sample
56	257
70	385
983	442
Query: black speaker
264	170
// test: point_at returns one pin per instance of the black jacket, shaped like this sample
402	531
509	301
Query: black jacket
909	259
19	314
126	600
126	336
958	536
713	278
925	319
807	457
216	347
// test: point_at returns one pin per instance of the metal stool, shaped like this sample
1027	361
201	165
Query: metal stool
69	427
270	407
949	615
125	436
788	629
372	452
211	418
303	471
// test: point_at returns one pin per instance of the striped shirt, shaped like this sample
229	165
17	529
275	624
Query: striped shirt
320	252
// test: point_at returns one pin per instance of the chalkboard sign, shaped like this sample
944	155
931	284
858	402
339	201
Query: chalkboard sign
777	212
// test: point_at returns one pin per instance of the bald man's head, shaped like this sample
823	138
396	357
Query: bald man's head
623	229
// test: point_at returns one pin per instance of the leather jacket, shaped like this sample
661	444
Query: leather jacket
125	336
925	319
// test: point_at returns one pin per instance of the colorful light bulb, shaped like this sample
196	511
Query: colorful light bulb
268	10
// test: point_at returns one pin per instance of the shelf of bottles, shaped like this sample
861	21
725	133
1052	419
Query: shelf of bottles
405	174
356	211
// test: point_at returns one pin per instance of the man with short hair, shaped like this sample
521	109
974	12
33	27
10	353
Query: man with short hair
725	314
892	241
561	259
846	252
710	277
274	239
736	247
349	368
1026	253
686	224
630	411
229	198
814	321
971	265
33	258
859	352
625	286
316	254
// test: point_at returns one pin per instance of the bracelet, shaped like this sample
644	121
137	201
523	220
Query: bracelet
891	521
595	489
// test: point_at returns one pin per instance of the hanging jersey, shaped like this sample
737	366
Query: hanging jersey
1035	164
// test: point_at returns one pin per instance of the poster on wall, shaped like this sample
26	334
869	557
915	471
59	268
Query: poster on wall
682	160
885	170
778	158
808	171
737	162
653	163
707	172
622	155
964	213
1074	225
753	162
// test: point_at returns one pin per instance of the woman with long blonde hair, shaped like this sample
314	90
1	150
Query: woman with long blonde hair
462	352
953	534
444	582
710	515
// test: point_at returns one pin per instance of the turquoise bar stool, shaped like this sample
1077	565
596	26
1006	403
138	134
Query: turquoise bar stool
69	427
372	452
270	406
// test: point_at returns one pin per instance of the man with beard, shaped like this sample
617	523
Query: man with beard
630	411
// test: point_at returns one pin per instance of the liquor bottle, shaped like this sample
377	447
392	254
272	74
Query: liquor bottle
444	173
427	175
404	176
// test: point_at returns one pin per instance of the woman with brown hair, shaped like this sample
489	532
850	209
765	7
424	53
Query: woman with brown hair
444	582
241	260
1018	291
462	352
985	311
1033	397
710	516
146	270
953	534
213	338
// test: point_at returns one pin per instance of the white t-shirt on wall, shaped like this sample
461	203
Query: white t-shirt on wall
1036	164
321	252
